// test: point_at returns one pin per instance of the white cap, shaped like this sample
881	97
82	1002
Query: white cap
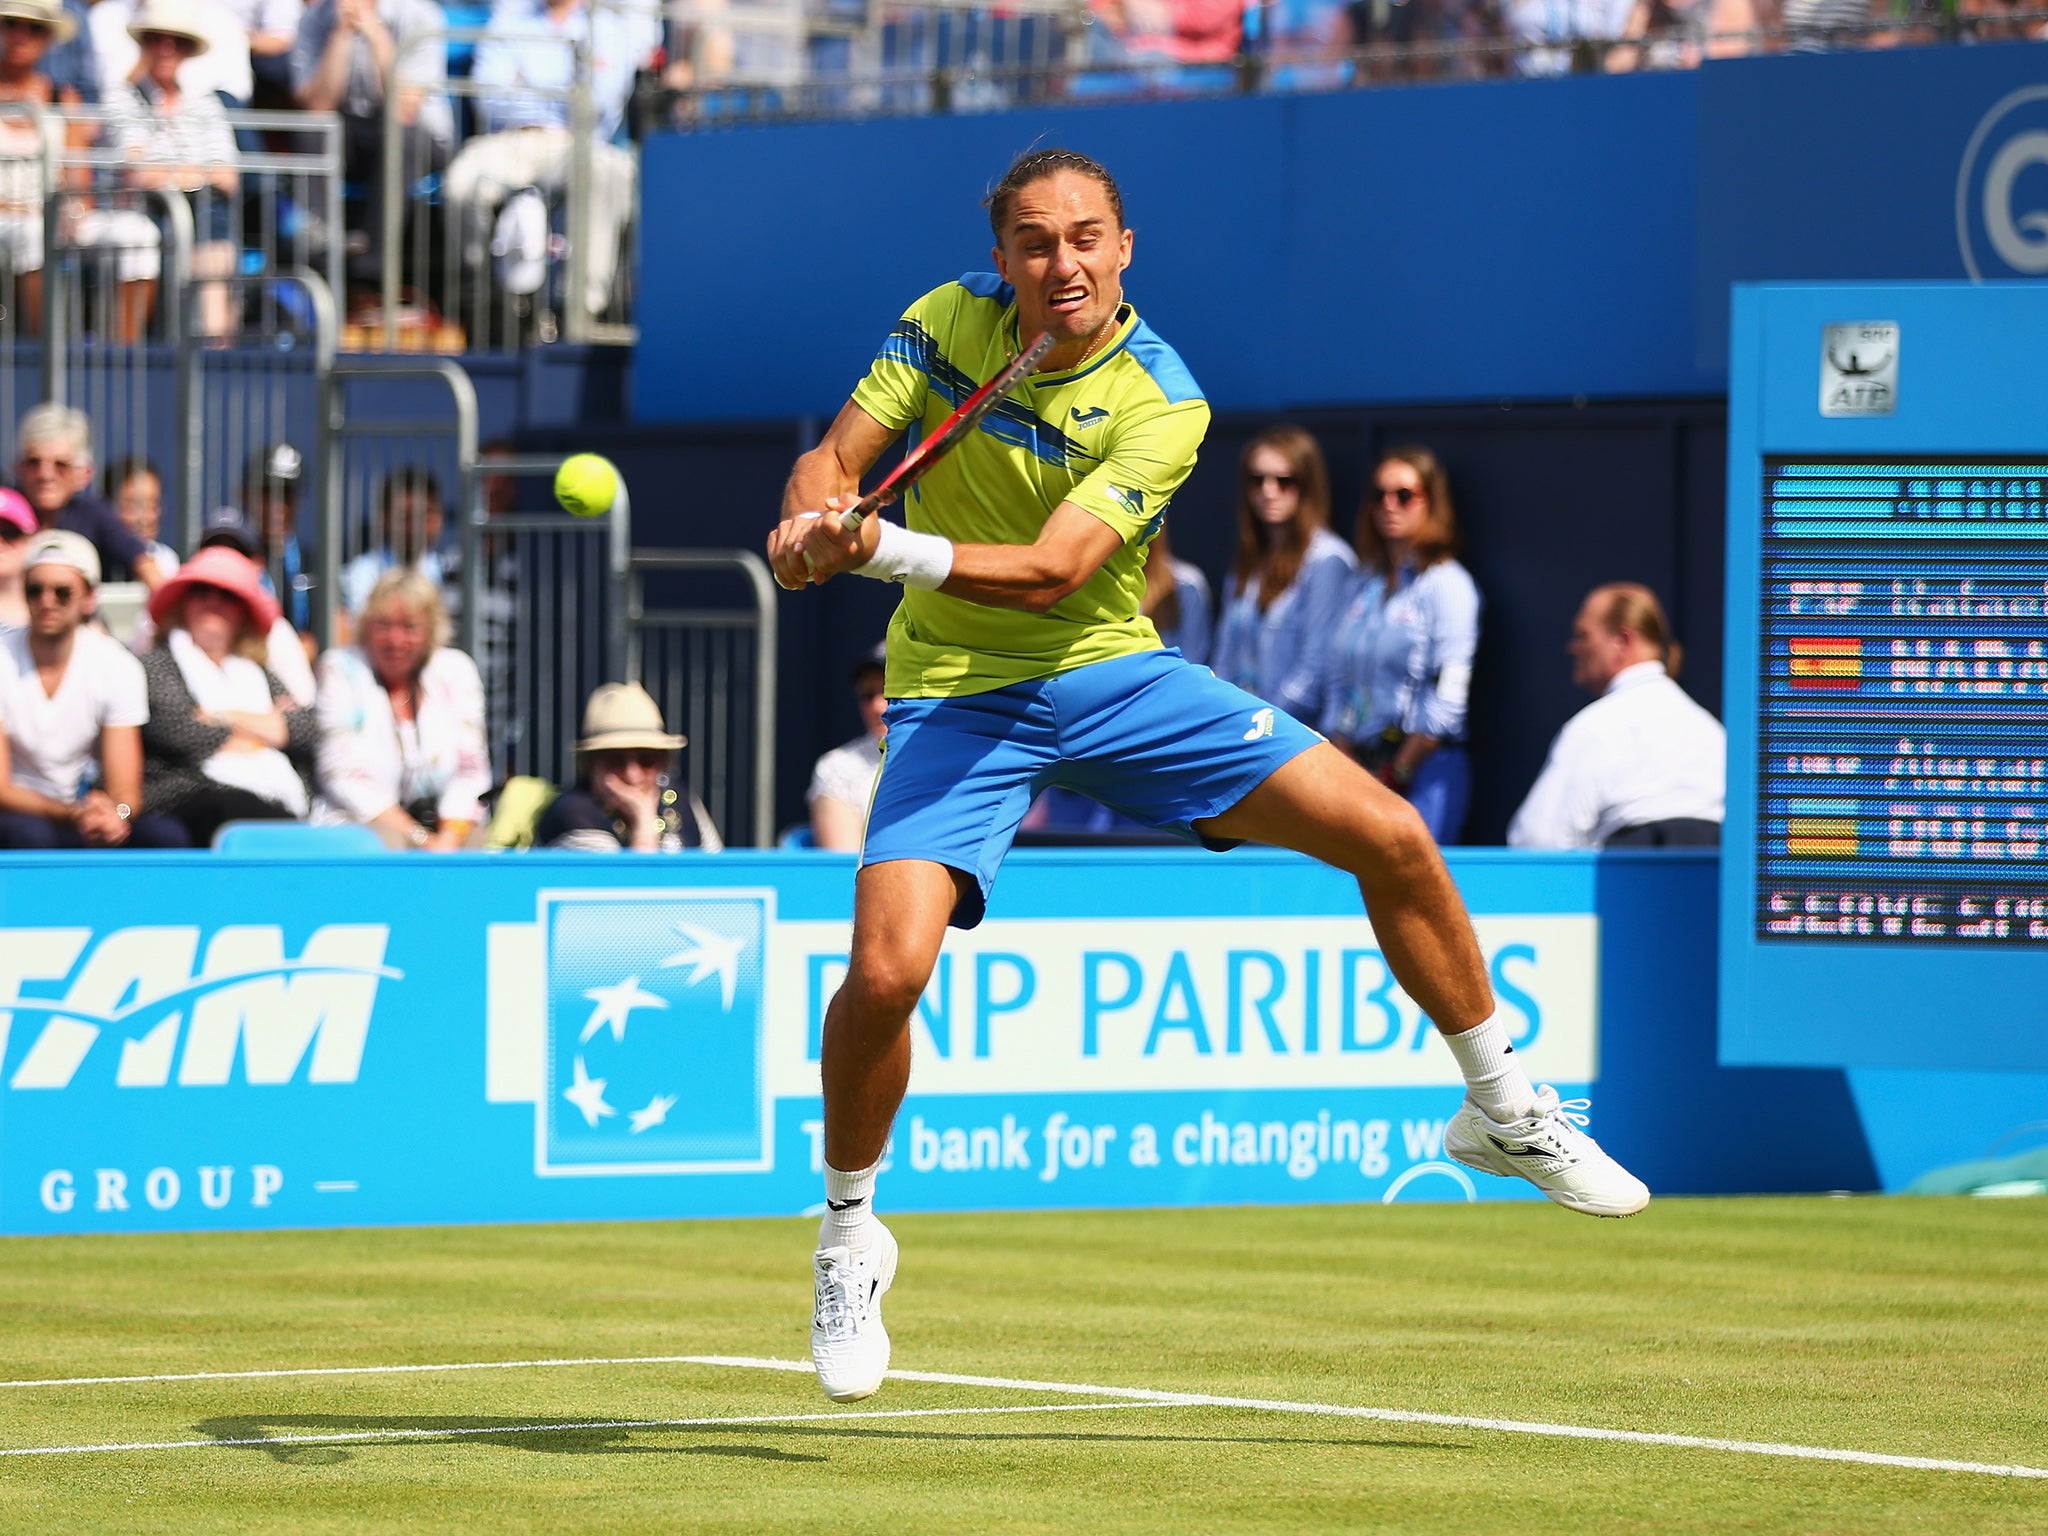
60	546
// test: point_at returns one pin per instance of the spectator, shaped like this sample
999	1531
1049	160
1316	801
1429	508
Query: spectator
219	69
28	31
402	723
1401	652
54	467
410	525
225	740
344	52
1822	26
1281	598
1558	37
284	655
843	782
1642	766
1177	600
177	140
623	799
525	65
72	703
17	525
270	498
137	493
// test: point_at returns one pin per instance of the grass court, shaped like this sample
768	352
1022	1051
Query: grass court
1900	1328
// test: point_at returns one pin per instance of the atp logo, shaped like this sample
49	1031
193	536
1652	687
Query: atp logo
2002	190
654	1032
142	1008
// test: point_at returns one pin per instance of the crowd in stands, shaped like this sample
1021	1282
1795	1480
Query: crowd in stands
1373	641
153	80
156	729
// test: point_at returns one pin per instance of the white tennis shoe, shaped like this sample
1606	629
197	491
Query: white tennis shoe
849	1345
1548	1148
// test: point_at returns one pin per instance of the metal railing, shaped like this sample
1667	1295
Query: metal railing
392	459
445	286
704	646
1093	66
547	592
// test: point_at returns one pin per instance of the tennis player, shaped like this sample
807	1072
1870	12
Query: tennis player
1018	659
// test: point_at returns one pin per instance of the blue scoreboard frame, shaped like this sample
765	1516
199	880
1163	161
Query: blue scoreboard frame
1884	876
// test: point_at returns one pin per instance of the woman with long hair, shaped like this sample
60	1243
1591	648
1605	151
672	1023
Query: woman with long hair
1288	579
1401	654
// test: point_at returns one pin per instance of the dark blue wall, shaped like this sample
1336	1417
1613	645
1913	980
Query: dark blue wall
1530	239
1525	240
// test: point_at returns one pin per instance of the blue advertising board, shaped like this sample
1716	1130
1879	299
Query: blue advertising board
390	1040
1885	891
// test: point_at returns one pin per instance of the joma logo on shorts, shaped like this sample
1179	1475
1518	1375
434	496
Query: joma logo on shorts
176	1017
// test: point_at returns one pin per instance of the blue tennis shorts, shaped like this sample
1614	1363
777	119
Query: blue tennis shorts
1153	736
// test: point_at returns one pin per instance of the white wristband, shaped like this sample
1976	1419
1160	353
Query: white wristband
913	559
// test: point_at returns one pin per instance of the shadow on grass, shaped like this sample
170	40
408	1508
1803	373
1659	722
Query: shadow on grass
277	1437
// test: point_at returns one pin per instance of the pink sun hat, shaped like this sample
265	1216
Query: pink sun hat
218	566
14	508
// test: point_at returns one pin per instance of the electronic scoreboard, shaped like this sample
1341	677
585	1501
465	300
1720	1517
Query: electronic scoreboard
1884	892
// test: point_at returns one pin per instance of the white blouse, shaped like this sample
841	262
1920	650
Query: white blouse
369	763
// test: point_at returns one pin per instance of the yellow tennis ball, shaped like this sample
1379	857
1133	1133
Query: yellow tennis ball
587	484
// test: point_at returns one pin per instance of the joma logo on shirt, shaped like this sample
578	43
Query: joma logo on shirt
1132	502
1089	417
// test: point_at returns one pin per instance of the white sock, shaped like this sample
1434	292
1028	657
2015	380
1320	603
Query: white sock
849	1209
1493	1072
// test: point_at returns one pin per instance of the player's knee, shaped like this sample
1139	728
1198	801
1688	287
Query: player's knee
1398	838
886	987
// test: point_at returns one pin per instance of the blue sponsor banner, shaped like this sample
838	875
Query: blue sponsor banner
396	1040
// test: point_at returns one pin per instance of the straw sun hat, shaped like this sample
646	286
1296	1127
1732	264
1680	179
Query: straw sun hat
48	13
622	717
176	18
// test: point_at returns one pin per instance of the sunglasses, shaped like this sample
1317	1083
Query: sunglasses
205	589
1399	495
60	595
23	24
10	534
639	757
1285	482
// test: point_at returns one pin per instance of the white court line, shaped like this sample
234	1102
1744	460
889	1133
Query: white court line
1133	1396
359	1436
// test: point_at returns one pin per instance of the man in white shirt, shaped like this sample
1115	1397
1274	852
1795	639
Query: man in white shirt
843	781
1642	765
72	706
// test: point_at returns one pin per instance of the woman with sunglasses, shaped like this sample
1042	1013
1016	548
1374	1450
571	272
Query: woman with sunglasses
1401	656
625	797
225	740
1288	579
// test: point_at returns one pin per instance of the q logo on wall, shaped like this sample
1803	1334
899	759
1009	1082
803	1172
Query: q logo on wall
2002	190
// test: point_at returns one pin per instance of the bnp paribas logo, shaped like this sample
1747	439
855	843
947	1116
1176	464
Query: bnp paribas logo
641	1042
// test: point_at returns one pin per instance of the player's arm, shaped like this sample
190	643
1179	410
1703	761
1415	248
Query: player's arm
828	477
1069	549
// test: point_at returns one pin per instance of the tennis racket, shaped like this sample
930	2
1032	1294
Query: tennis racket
950	433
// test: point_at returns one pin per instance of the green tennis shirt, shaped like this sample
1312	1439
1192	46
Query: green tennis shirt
1115	436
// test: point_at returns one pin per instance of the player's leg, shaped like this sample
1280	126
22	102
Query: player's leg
900	911
1322	804
957	776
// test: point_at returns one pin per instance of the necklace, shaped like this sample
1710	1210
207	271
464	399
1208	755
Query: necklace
1095	342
